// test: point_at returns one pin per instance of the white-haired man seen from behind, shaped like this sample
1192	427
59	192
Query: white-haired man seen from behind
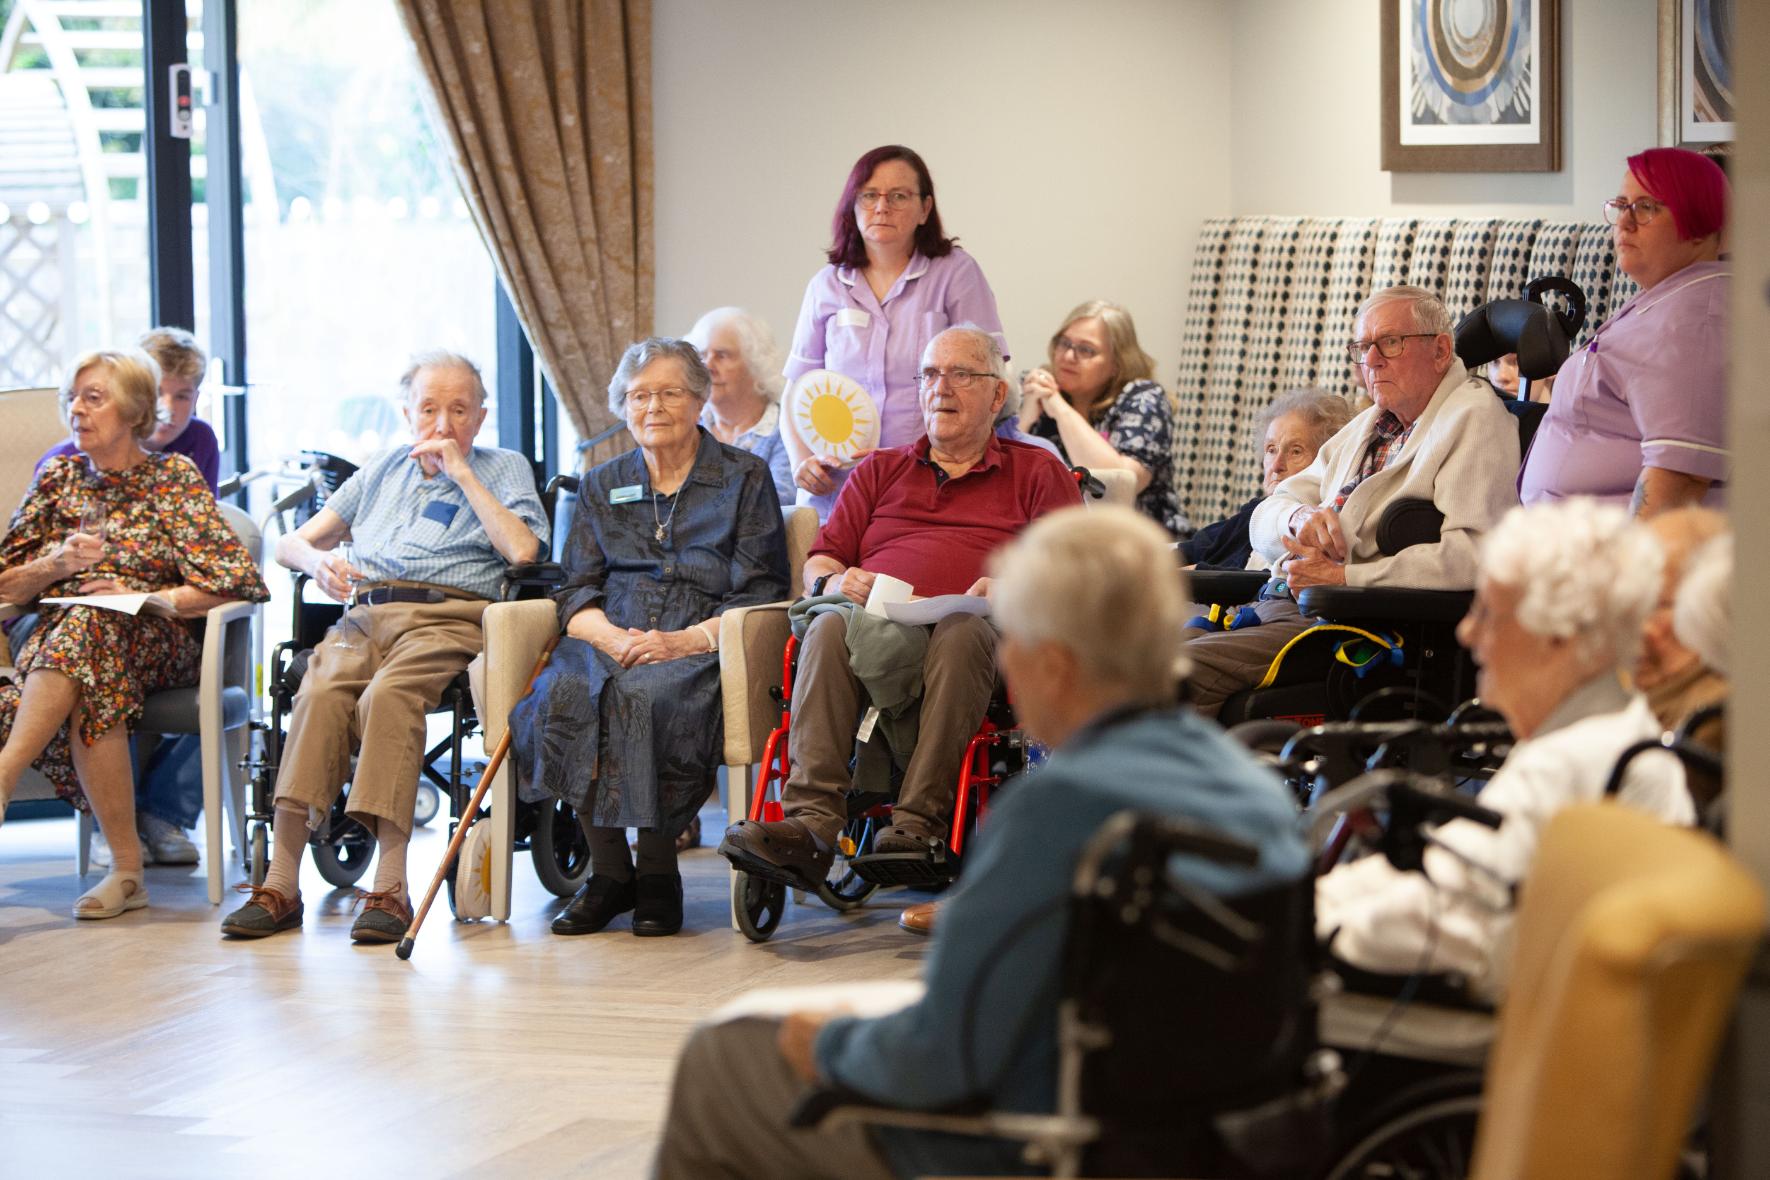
1560	598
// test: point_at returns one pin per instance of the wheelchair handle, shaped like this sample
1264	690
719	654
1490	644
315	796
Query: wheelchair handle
1172	832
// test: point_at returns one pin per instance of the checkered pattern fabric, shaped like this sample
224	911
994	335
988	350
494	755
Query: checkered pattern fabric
1471	257
1305	326
1510	269
1395	246
1594	269
1429	264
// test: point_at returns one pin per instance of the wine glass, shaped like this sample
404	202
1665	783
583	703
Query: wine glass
347	550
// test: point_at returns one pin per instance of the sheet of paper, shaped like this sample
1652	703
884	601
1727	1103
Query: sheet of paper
927	611
887	590
877	997
128	604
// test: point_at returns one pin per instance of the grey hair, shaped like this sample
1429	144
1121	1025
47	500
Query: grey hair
135	384
998	361
1430	314
1702	614
1588	573
1103	583
439	358
1322	412
761	356
695	377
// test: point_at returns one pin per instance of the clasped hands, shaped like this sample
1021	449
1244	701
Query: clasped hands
1317	551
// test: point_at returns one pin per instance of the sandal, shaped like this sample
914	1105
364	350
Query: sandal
117	894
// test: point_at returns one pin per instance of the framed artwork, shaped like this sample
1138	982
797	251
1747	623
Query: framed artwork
1695	72
1471	85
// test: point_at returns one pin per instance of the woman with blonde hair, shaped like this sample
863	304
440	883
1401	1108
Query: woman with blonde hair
1098	400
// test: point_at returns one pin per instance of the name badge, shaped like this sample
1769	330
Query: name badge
853	317
626	495
441	511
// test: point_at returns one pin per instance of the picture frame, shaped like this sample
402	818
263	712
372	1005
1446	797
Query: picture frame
1457	99
1695	73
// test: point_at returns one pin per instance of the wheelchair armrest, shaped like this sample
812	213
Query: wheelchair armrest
532	575
1226	587
752	640
1406	523
973	1117
1392	604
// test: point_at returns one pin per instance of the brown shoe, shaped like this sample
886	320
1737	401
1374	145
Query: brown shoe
385	918
904	835
689	837
919	918
265	913
783	851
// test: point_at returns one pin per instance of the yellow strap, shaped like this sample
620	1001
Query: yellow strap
1318	629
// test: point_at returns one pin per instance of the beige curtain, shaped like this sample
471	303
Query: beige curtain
547	109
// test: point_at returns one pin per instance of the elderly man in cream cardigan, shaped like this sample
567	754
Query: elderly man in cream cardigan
1434	433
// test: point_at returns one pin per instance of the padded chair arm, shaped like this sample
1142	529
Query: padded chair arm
1226	587
752	640
515	633
540	575
1378	604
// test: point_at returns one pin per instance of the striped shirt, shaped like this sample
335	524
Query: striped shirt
412	529
1388	436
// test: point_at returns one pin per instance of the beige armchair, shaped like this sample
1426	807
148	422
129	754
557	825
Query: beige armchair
751	642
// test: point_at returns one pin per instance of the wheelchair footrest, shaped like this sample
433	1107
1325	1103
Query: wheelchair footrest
923	869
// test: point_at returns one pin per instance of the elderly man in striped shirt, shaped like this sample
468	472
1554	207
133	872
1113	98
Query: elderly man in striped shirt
433	525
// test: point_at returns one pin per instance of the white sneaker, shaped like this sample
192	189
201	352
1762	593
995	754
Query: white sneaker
164	843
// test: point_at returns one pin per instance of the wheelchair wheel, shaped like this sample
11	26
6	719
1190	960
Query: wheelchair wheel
343	857
428	805
258	854
758	905
1426	1133
562	855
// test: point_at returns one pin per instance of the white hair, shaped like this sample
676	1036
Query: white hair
1103	582
1587	572
1702	614
439	358
695	377
756	345
1429	312
985	340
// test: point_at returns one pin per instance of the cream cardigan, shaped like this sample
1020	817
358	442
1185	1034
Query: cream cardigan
1462	456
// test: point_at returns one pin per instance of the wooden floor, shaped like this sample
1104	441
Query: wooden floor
149	1046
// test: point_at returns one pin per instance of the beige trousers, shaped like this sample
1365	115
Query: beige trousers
373	697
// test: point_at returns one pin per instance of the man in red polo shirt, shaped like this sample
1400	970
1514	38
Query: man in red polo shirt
929	514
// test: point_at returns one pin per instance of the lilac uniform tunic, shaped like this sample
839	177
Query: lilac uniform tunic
1648	390
844	328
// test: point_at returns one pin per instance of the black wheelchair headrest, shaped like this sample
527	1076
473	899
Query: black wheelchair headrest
1539	334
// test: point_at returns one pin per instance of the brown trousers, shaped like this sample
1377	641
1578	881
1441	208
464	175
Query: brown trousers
728	1116
958	674
373	697
1225	662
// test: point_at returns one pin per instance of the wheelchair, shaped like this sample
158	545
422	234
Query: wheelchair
1384	653
995	753
343	848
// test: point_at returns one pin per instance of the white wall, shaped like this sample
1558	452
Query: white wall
1306	80
1065	141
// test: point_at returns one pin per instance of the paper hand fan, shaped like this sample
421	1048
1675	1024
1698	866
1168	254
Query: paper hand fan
834	415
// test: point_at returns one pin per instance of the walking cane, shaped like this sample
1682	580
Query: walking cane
404	950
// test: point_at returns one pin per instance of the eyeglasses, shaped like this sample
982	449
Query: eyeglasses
1390	346
1083	352
1641	210
673	395
955	378
897	198
90	398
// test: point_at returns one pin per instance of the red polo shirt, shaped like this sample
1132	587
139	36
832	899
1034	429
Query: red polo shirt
901	514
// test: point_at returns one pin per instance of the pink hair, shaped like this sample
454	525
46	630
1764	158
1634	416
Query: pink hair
1691	185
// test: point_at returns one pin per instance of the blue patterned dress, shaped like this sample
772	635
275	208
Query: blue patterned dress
637	747
1140	425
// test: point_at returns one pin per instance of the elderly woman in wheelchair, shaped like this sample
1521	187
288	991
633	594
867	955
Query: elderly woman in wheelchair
666	538
1561	596
1090	605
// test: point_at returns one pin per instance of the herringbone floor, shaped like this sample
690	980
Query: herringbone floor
147	1046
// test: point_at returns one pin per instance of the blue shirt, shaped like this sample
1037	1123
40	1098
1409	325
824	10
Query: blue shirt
1017	878
413	529
764	441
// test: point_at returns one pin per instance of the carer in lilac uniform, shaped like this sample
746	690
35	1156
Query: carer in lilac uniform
1638	415
894	282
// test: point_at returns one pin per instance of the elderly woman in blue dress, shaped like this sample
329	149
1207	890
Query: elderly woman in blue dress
625	723
743	405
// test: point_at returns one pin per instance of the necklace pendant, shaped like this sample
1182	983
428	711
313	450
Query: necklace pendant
659	534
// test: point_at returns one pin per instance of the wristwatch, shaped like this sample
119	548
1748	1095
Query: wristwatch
817	585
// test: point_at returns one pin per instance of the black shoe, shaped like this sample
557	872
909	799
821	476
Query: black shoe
659	911
597	903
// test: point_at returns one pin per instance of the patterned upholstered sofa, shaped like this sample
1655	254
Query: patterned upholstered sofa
1271	305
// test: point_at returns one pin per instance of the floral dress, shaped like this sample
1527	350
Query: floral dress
1140	425
164	531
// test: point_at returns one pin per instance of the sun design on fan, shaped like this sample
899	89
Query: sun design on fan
832	416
